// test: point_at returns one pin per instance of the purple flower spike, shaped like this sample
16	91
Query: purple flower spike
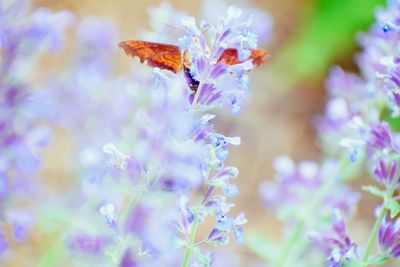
386	172
389	237
207	64
337	243
381	137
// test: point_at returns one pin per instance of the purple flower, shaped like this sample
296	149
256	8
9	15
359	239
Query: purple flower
227	224
222	180
389	236
262	29
337	243
207	68
386	171
375	138
292	186
87	244
170	147
24	36
380	138
127	259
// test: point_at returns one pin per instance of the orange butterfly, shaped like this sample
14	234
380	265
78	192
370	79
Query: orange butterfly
169	57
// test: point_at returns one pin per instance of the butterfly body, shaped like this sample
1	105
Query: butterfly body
169	57
190	80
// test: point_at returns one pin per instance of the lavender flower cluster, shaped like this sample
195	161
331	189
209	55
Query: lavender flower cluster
358	131
24	37
149	166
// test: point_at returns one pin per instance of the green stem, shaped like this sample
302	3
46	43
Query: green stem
375	229
372	236
290	244
135	198
286	254
296	236
192	238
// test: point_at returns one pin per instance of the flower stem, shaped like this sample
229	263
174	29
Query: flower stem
372	236
375	229
192	238
288	250
284	256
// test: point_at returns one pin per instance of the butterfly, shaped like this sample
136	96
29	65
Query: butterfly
170	57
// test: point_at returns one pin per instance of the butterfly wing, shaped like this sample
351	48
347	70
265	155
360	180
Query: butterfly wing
163	56
230	56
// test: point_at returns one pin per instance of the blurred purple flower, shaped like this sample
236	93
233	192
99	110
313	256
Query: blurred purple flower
21	222
389	236
3	243
127	259
338	244
87	244
25	35
170	148
381	138
292	185
375	137
386	171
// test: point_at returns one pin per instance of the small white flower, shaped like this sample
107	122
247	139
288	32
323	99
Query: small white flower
117	159
108	212
233	140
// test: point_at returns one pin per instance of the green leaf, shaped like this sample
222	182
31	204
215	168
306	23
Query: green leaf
394	122
392	206
374	190
263	247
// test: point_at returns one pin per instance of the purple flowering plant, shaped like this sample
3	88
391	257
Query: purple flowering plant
359	131
149	165
24	37
151	184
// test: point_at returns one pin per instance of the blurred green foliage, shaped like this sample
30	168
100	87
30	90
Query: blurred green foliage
327	34
394	121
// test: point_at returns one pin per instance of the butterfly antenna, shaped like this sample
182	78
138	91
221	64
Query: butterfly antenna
180	29
174	27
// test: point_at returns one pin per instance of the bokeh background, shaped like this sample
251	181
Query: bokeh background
308	37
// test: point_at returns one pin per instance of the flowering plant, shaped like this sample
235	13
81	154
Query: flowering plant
149	165
358	132
24	37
